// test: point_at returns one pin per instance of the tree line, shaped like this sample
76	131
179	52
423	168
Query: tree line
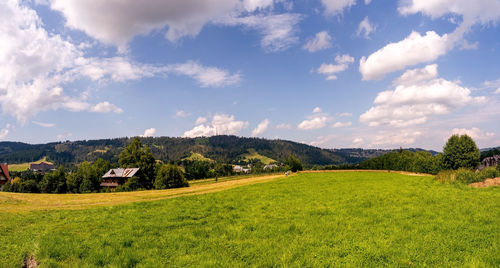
152	174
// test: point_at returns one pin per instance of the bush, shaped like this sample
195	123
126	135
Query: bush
132	184
467	176
446	176
488	173
170	176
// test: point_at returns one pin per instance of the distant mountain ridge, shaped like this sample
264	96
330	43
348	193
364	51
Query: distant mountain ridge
222	148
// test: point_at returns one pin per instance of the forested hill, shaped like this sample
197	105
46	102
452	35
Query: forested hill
227	149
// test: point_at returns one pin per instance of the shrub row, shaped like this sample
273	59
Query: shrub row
467	176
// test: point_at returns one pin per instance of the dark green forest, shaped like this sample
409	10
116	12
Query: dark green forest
224	149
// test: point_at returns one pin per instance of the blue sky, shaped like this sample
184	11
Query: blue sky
330	73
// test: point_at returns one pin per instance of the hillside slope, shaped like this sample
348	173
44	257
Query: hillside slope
228	149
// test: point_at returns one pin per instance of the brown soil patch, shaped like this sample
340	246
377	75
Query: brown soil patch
30	262
486	183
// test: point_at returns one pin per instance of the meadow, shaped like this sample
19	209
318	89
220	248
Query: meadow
309	219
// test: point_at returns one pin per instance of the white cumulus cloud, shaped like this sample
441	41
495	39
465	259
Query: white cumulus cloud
150	132
221	124
106	107
418	94
321	41
412	50
37	66
342	63
474	133
261	128
313	123
417	48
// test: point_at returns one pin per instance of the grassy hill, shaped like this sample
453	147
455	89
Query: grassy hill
252	154
318	219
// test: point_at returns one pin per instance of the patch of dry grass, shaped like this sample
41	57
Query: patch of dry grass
27	202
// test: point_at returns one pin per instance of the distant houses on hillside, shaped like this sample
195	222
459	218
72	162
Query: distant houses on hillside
4	174
42	167
242	169
117	176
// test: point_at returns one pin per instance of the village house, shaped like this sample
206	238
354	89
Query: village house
4	174
42	167
117	176
240	169
491	161
270	167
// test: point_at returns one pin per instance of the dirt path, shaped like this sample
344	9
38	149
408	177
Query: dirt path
25	202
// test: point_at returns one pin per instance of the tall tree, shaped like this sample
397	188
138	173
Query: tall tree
294	163
54	182
460	152
137	156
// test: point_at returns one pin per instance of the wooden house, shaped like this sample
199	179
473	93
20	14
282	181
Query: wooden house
4	174
117	176
42	167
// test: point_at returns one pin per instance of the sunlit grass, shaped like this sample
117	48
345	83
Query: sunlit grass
317	219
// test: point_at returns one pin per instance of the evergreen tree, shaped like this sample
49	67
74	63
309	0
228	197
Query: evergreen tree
460	152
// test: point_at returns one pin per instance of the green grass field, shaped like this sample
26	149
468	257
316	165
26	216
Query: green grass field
311	219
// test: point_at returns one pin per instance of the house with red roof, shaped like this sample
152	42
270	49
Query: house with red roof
4	174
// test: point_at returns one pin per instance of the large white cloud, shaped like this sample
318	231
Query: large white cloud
36	67
221	124
321	40
418	94
477	11
412	50
180	17
117	22
417	48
